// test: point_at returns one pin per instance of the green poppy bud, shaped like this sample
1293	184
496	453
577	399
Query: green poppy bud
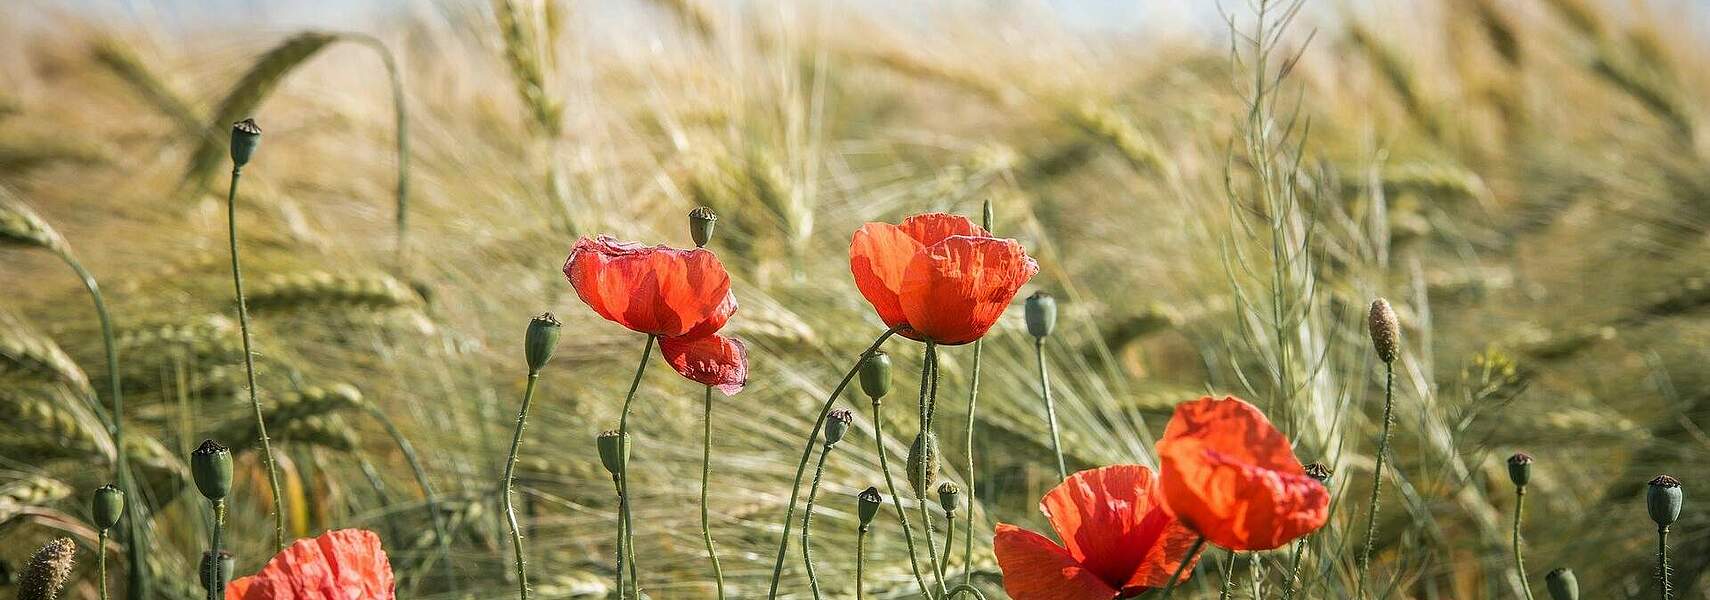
1520	469
1320	472
1562	584
1041	312
227	566
1385	330
924	451
986	214
876	375
107	506
701	223
836	425
541	340
211	467
867	505
949	497
1664	499
614	451
245	137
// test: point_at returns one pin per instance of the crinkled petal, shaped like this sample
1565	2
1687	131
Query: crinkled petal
955	290
714	360
1034	568
1106	518
931	228
715	320
655	290
347	564
878	255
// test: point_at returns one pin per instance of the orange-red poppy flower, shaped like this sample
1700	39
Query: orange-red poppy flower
1117	540
714	360
655	290
1226	473
940	276
347	564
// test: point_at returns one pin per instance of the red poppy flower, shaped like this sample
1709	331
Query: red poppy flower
1118	540
714	360
1225	472
942	277
347	564
655	290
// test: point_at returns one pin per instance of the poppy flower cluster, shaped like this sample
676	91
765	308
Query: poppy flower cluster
342	564
938	277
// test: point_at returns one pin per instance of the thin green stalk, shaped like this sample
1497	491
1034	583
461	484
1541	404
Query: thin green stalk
429	496
1519	558
1377	474
807	453
860	562
973	403
1228	578
949	541
1050	407
510	471
1664	590
1294	568
896	500
249	368
621	554
101	560
807	522
1176	577
706	476
217	589
628	527
928	386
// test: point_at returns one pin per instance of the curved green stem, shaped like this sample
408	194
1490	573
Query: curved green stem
1519	557
628	526
249	368
807	522
706	476
217	589
1176	577
510	472
807	453
928	387
1377	475
860	562
1050	407
896	500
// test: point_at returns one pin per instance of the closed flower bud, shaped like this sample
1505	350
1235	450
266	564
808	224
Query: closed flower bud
245	137
986	214
1320	472
949	497
867	505
107	506
701	223
1385	330
1520	469
541	340
1041	312
227	565
211	466
1664	499
924	451
876	375
614	451
1563	585
48	571
835	426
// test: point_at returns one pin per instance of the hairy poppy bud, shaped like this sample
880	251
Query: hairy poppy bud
227	565
867	505
1563	585
701	222
245	137
614	451
986	214
1385	329
107	506
1520	469
1320	472
48	571
924	451
1663	499
541	340
211	467
835	425
876	375
1041	312
948	497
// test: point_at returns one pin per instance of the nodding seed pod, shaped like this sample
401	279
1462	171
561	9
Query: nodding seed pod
614	451
541	340
48	571
211	467
1041	313
107	506
949	497
701	223
835	426
1663	499
1520	469
1385	330
876	375
924	450
245	137
1562	584
867	505
1320	472
227	565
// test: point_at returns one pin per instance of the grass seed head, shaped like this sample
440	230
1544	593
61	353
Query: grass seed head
48	571
1385	330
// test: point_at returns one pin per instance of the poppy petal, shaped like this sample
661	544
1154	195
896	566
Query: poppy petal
1165	556
347	563
655	290
714	360
1034	568
714	320
1107	519
931	228
955	290
878	255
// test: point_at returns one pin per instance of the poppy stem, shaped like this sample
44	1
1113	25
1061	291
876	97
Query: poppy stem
249	369
1228	578
1377	475
706	476
1050	407
627	529
621	530
1170	587
807	522
860	561
216	583
1663	587
807	453
101	560
896	499
1519	558
949	541
973	402
510	473
928	389
1294	568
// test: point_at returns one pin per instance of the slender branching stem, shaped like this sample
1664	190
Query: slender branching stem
510	473
627	528
216	579
1377	475
249	369
860	562
1519	556
706	477
896	500
928	386
1050	407
1176	577
973	403
807	522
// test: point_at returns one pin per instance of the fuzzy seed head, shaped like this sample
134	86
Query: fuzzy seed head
701	223
1520	469
1041	313
836	424
211	467
541	340
1663	499
1385	330
1563	585
48	571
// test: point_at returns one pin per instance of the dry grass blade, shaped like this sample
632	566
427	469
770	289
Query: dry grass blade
255	85
118	59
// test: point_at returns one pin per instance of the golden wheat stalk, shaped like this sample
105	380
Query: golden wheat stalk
118	59
28	356
30	491
327	290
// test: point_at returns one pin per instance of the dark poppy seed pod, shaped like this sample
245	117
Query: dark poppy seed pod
876	375
701	223
1041	312
867	505
1385	330
1663	499
835	426
245	137
227	565
48	571
614	451
541	340
1562	584
1320	472
949	497
1520	469
924	450
211	466
107	506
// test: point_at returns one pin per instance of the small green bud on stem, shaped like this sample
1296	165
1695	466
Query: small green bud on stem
836	424
541	340
701	223
1562	584
1041	313
614	451
876	376
949	497
867	506
245	137
1520	469
1663	499
211	467
924	450
107	506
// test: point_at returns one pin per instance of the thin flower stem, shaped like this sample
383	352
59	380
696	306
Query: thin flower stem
1228	578
807	522
249	369
1050	407
101	560
510	471
706	477
968	532
1294	568
807	453
949	542
621	555
1377	475
860	562
896	500
1664	591
216	580
627	529
928	385
1520	558
1176	577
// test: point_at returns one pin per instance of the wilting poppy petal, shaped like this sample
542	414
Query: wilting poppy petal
878	254
955	290
341	565
1226	473
1110	523
714	360
655	290
1034	568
